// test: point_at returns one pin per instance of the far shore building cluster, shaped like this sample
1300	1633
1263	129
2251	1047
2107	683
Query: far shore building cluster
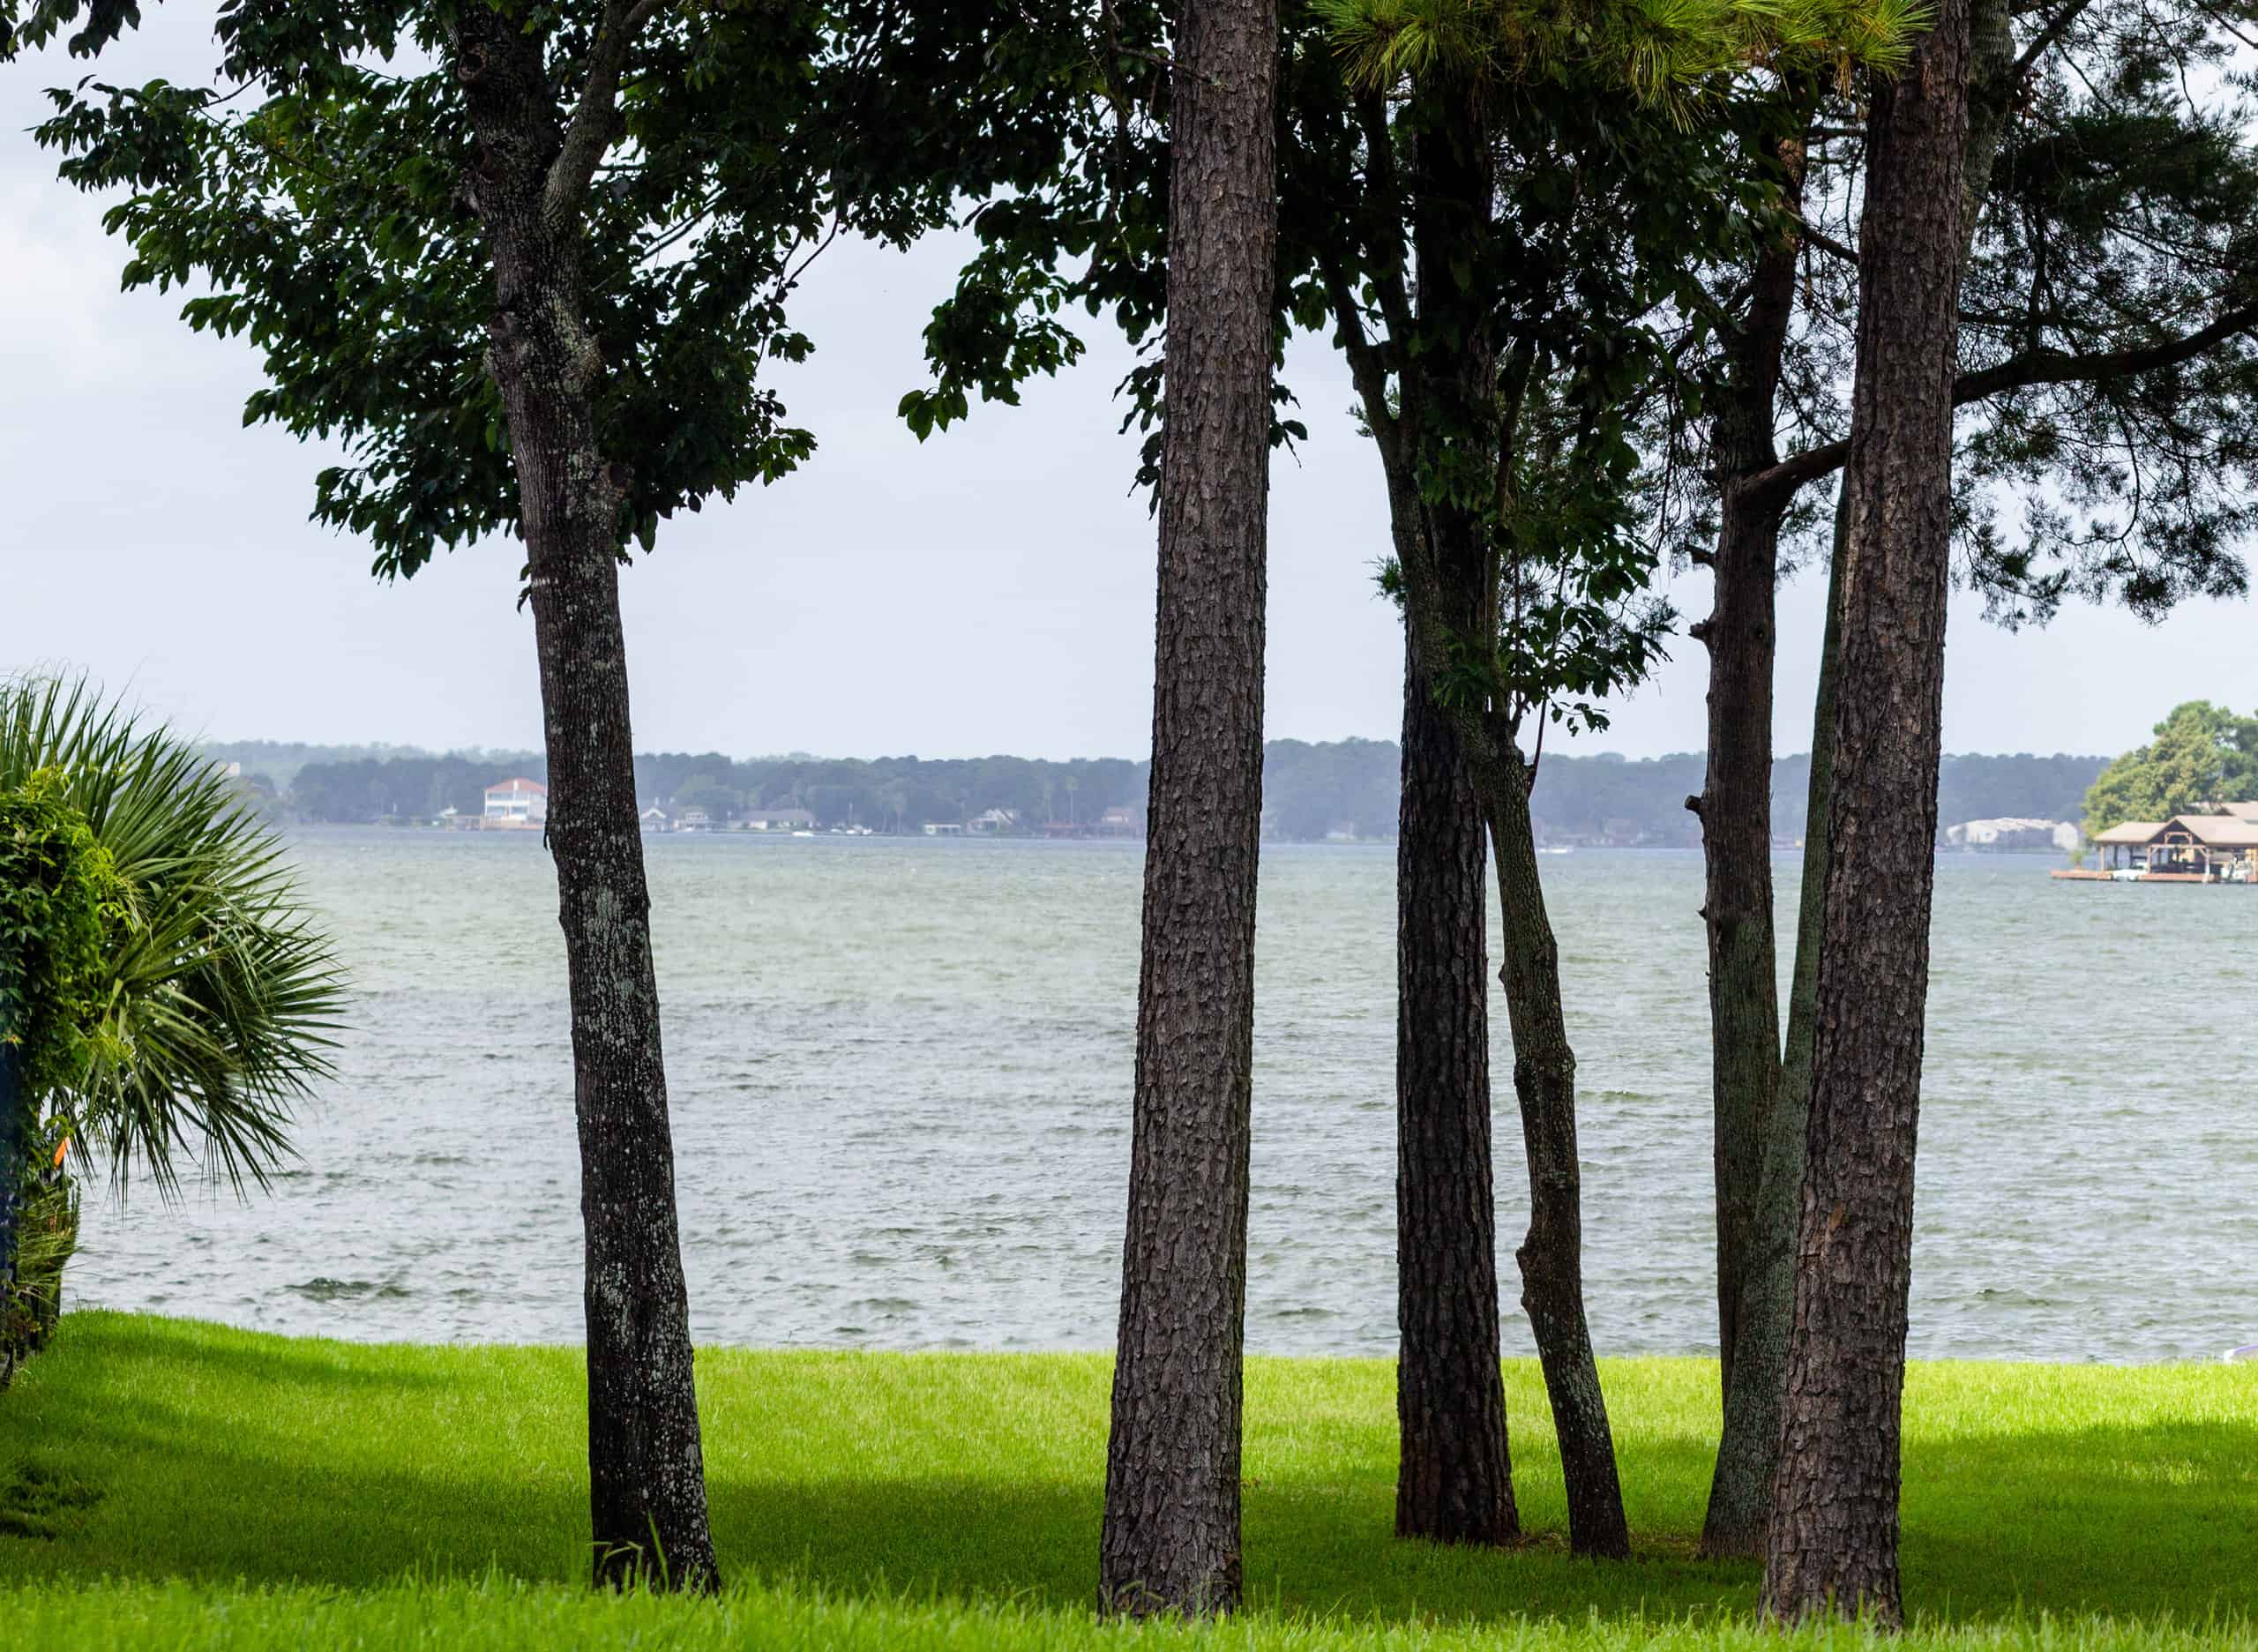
1117	822
2219	845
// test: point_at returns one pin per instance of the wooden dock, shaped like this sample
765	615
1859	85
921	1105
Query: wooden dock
2080	874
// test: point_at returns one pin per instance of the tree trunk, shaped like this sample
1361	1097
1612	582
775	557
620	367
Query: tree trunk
1552	1255
1749	1453
1736	813
1170	1537
1991	88
13	1105
1832	1542
1451	406
1454	1474
645	1463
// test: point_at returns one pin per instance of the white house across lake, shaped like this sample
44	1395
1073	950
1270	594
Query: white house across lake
517	802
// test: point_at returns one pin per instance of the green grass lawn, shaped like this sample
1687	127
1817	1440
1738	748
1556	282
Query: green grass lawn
165	1483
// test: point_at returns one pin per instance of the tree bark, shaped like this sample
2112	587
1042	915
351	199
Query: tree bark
1455	1474
1552	1255
1749	1451
1735	808
645	1463
1448	549
11	1179
1170	1537
1747	1456
1832	1541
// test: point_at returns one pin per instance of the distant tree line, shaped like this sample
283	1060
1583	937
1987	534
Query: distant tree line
1610	800
1311	790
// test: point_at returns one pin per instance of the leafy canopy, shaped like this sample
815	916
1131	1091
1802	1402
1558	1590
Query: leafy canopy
312	196
24	27
2107	445
1669	52
60	898
2204	756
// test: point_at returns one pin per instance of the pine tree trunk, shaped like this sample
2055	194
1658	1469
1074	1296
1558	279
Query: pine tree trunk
1552	1255
1748	1455
1454	1474
647	1472
1452	405
1832	1541
1736	813
1170	1537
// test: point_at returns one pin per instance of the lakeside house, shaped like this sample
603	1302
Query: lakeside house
779	820
657	819
2219	846
516	803
993	822
2014	833
943	829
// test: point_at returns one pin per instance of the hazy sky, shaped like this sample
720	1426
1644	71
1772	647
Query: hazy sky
988	591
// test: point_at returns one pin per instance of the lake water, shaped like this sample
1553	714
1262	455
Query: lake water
901	1080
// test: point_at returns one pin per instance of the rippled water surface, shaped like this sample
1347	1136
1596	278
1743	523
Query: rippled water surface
900	1076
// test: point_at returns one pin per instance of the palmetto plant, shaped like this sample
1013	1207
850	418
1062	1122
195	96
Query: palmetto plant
215	998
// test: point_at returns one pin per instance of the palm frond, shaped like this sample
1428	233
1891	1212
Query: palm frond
222	999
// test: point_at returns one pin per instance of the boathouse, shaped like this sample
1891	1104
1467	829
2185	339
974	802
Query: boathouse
2217	846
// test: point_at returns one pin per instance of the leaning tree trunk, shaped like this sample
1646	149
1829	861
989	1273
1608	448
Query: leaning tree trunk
1735	808
1453	405
1170	1538
1454	1472
645	1464
1832	1542
1552	1255
1544	1066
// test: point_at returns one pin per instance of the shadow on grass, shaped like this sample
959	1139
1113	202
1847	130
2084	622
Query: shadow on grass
337	1468
217	1351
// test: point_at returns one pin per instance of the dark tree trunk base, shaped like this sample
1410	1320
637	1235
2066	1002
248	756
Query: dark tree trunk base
1455	1476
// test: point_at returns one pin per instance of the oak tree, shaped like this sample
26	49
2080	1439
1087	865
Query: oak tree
527	266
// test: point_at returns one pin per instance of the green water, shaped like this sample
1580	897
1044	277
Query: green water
900	1077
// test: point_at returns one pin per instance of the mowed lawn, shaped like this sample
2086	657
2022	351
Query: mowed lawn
166	1482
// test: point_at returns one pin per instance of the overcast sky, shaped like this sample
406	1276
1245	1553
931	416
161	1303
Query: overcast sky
988	591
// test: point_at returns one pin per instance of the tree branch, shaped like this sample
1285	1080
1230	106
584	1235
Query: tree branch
1827	244
1382	183
2031	368
2045	40
594	118
1366	370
